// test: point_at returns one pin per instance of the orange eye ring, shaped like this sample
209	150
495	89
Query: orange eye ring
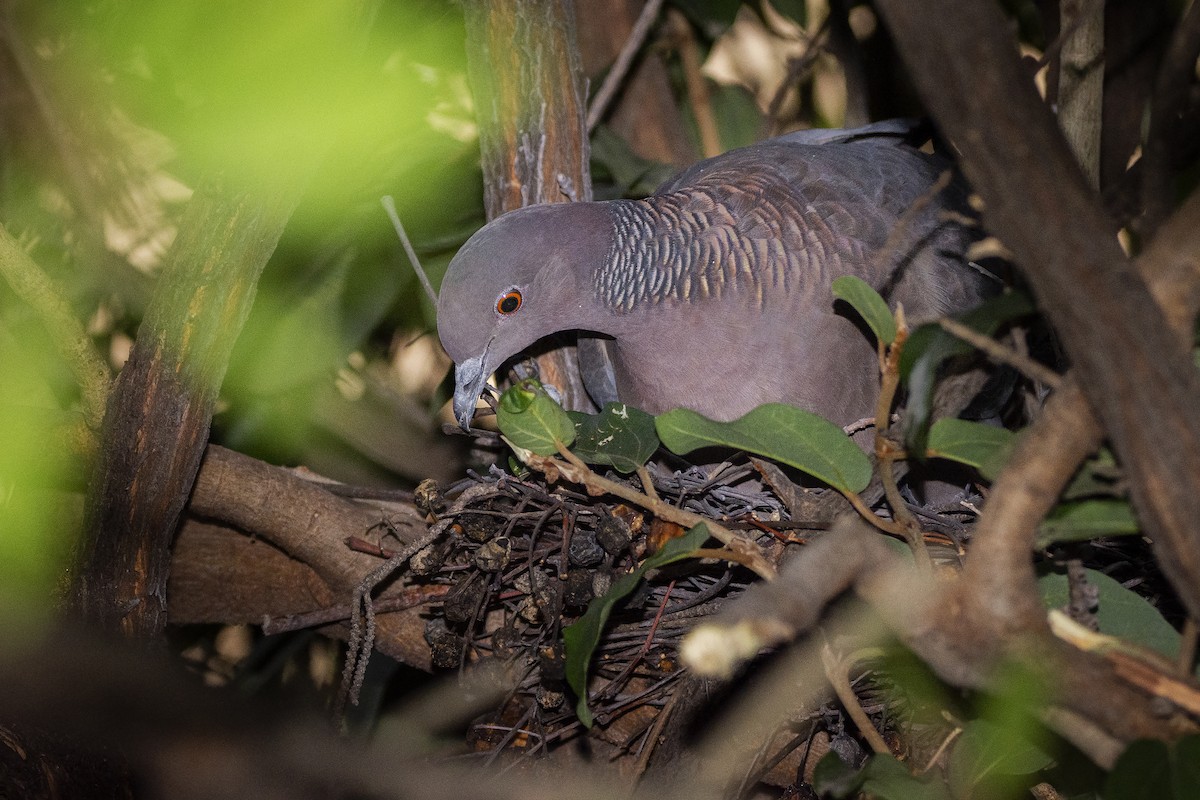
509	302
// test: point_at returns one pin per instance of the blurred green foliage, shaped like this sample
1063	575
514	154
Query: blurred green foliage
117	108
36	511
351	100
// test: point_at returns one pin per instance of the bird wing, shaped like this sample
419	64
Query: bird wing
787	209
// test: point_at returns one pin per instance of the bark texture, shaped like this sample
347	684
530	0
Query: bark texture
156	426
530	103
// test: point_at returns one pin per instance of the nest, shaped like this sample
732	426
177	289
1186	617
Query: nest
520	560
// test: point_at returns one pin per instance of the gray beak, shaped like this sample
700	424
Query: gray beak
469	380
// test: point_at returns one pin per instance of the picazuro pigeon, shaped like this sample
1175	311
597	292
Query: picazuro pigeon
715	291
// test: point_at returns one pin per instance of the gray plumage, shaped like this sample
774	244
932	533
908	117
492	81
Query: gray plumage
715	291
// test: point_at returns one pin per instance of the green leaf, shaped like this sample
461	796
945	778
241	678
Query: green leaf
985	447
1186	775
1154	770
1122	613
1098	476
621	436
834	778
929	346
999	751
988	752
1144	772
882	777
1087	519
780	432
740	122
869	305
530	419
633	175
582	636
888	779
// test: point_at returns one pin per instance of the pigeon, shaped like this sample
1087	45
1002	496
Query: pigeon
713	294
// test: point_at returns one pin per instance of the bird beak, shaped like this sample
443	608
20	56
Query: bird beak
469	379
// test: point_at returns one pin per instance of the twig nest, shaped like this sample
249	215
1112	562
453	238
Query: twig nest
552	661
428	560
463	600
548	698
428	496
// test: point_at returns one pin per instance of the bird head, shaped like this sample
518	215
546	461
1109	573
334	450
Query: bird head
518	279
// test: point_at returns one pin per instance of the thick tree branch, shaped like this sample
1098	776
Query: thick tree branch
1134	372
935	618
298	518
158	417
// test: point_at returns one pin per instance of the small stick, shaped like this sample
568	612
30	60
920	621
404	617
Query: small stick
998	352
837	672
954	734
575	471
1187	646
643	474
885	452
697	89
389	205
620	67
409	598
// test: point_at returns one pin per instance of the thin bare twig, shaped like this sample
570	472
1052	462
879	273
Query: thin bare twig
362	620
837	671
578	472
1004	355
620	67
885	451
410	598
885	525
697	89
937	754
389	205
797	68
1175	77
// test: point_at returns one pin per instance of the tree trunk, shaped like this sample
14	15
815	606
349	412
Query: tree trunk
523	65
157	423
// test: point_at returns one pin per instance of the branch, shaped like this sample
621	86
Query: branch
38	291
620	68
578	472
1135	373
957	640
532	130
1167	106
1001	354
157	421
305	561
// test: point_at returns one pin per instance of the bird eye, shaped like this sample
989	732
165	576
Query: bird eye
509	302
